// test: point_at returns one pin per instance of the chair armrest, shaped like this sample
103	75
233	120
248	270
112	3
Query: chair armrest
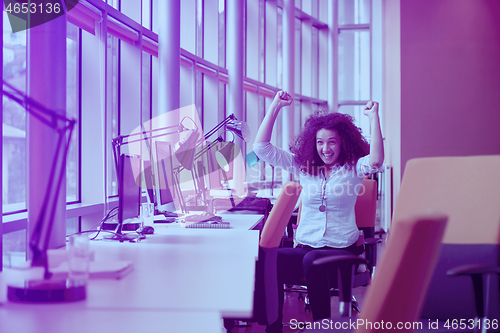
371	253
372	241
476	273
340	261
473	269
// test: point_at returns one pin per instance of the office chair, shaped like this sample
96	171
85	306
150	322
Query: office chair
365	210
467	189
405	269
266	278
478	273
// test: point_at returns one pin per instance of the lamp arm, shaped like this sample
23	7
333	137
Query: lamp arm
221	124
201	152
40	255
118	141
37	110
59	163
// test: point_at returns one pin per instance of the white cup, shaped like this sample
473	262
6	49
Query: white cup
147	213
79	257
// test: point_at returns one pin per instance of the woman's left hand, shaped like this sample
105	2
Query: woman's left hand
371	108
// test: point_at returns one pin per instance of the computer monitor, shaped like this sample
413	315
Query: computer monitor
129	191
166	198
200	181
129	197
215	177
148	178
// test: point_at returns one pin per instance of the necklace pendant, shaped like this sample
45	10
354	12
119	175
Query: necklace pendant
322	208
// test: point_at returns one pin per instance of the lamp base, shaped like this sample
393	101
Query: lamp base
47	291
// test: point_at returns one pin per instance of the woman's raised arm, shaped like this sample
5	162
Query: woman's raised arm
376	144
281	99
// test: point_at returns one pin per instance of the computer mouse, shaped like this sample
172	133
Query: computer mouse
146	230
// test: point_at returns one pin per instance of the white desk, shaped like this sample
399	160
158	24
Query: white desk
238	221
75	318
178	274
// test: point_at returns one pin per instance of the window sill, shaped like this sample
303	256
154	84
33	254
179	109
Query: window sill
19	221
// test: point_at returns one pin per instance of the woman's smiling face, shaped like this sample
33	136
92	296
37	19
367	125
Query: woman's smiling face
328	146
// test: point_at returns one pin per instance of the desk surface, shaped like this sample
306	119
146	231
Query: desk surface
237	221
175	270
59	318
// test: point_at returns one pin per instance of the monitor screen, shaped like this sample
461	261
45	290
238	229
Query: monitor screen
164	184
200	180
215	176
148	178
129	191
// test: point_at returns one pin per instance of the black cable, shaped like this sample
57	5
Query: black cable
112	213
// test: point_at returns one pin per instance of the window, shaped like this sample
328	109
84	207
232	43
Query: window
14	121
117	63
112	108
356	64
73	111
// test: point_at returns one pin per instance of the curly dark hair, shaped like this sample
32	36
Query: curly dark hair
352	143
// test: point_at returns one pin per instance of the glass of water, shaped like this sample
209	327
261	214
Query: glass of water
79	257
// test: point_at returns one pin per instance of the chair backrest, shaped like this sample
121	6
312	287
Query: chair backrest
366	204
280	215
398	291
467	189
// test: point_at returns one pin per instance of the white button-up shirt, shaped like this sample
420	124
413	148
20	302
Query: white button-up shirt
336	226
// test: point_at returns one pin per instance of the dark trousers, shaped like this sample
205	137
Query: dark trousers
295	266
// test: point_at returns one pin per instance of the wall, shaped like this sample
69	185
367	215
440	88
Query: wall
390	105
450	78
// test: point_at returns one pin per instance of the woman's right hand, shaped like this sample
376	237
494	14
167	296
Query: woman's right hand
281	99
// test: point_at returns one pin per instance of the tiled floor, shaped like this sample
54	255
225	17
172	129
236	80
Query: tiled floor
294	309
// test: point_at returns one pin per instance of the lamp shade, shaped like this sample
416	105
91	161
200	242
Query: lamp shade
185	149
240	128
252	159
226	155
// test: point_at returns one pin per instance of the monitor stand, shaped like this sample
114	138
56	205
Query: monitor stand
128	237
169	214
129	225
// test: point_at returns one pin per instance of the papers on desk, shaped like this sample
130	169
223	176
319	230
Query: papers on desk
99	269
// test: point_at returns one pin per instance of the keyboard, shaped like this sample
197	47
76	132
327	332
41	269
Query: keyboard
205	217
205	220
210	225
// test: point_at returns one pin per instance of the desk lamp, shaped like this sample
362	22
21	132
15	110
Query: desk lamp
144	136
46	290
186	155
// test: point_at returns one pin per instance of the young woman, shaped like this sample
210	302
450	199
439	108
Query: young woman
330	158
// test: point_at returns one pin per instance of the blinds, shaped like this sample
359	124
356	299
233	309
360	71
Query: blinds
149	46
85	16
121	31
